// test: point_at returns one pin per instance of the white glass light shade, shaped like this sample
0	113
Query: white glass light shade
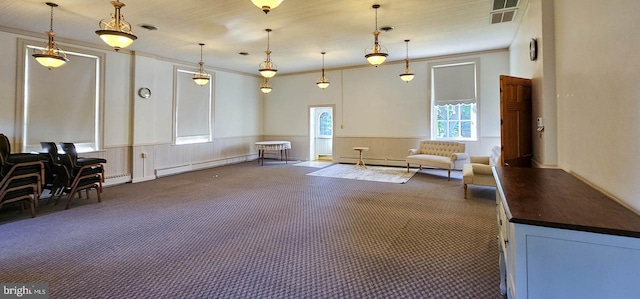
266	5
116	39
201	79
50	61
323	82
406	77
376	58
268	73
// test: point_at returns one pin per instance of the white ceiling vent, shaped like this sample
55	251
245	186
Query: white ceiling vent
504	11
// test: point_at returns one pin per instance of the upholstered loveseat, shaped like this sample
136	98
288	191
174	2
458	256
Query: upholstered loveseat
438	154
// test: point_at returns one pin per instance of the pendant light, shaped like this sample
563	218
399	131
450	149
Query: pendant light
408	74
201	77
377	54
116	32
264	87
266	5
323	82
51	55
267	68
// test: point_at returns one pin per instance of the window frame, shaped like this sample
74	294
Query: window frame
26	48
475	108
194	139
320	135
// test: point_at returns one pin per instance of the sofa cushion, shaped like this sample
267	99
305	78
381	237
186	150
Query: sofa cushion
440	148
431	160
481	169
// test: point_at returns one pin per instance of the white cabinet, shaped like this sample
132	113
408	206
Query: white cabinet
544	259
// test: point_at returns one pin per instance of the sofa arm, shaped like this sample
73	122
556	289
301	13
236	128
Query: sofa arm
413	151
480	159
459	156
481	169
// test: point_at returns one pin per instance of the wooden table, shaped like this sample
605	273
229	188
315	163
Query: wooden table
361	149
282	146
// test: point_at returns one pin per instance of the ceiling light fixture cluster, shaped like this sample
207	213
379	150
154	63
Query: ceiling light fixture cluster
51	55
116	32
201	77
267	68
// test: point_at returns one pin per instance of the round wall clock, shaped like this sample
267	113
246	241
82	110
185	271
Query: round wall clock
144	92
533	49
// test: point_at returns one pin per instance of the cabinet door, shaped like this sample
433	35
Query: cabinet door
516	121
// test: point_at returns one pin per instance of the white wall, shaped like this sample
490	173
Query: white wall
133	125
598	93
538	23
592	69
373	103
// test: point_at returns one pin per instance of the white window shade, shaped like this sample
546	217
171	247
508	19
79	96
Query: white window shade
61	104
454	84
193	109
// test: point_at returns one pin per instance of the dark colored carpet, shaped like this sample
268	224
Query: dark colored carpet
250	231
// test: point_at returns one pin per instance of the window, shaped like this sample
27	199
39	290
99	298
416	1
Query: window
454	101
193	115
326	125
61	104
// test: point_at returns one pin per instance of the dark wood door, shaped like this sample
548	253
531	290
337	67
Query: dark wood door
516	121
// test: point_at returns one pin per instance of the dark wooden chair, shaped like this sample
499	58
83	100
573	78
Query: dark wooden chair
83	173
20	177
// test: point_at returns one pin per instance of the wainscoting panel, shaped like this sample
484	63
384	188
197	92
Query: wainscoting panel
299	147
152	161
117	170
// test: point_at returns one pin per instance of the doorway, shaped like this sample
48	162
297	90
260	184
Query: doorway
321	133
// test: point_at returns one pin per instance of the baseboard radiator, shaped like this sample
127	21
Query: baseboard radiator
160	172
117	179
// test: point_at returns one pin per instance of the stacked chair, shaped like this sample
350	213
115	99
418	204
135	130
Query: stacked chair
21	177
70	174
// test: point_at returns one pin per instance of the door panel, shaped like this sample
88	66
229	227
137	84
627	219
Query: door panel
516	121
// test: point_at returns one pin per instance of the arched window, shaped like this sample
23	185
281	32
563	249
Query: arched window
326	124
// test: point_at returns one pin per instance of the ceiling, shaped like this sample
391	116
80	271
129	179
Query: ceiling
301	29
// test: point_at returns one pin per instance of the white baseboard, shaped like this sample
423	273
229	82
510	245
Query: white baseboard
160	172
144	179
117	180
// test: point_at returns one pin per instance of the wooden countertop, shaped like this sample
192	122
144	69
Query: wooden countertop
554	198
